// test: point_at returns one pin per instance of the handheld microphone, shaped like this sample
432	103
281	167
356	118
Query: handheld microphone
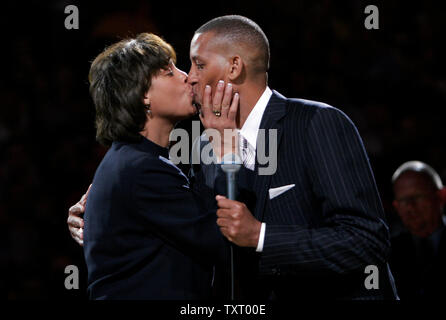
231	164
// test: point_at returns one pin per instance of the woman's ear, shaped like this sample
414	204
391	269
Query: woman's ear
235	68
147	103
147	98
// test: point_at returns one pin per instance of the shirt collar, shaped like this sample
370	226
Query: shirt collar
251	126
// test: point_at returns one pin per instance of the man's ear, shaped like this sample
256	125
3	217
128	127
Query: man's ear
395	205
236	66
442	195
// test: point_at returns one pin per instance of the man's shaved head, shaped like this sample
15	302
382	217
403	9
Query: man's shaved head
419	197
245	34
423	169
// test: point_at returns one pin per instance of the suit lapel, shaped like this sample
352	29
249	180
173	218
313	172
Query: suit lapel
275	110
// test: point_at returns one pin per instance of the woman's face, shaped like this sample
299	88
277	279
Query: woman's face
170	96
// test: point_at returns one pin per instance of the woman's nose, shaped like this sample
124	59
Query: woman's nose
183	74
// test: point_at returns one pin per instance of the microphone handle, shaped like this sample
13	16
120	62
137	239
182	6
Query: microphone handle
231	185
232	189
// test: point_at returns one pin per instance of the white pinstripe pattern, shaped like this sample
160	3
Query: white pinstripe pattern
333	220
339	166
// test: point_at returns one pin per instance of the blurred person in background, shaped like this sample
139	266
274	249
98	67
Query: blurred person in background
418	255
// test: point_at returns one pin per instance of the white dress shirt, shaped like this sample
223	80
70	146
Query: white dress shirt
248	143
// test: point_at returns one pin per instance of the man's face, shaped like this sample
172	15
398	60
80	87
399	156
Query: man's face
209	64
418	203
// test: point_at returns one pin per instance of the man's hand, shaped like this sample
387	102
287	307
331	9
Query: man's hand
237	223
75	222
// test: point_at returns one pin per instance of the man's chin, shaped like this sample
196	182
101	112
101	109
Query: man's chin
421	233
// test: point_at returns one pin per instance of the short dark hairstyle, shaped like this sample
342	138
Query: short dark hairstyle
240	29
119	78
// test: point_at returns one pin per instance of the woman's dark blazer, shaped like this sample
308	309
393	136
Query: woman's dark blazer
147	234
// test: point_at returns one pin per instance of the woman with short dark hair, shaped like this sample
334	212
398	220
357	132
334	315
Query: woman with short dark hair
146	234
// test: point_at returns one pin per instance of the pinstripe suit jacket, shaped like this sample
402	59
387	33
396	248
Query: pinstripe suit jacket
322	233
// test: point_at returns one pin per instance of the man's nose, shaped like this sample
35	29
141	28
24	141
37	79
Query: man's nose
410	211
191	78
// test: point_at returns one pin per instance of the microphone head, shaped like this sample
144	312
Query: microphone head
231	163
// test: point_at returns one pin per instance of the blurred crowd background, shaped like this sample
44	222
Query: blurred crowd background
391	82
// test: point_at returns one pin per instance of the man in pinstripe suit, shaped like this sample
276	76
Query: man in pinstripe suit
310	229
